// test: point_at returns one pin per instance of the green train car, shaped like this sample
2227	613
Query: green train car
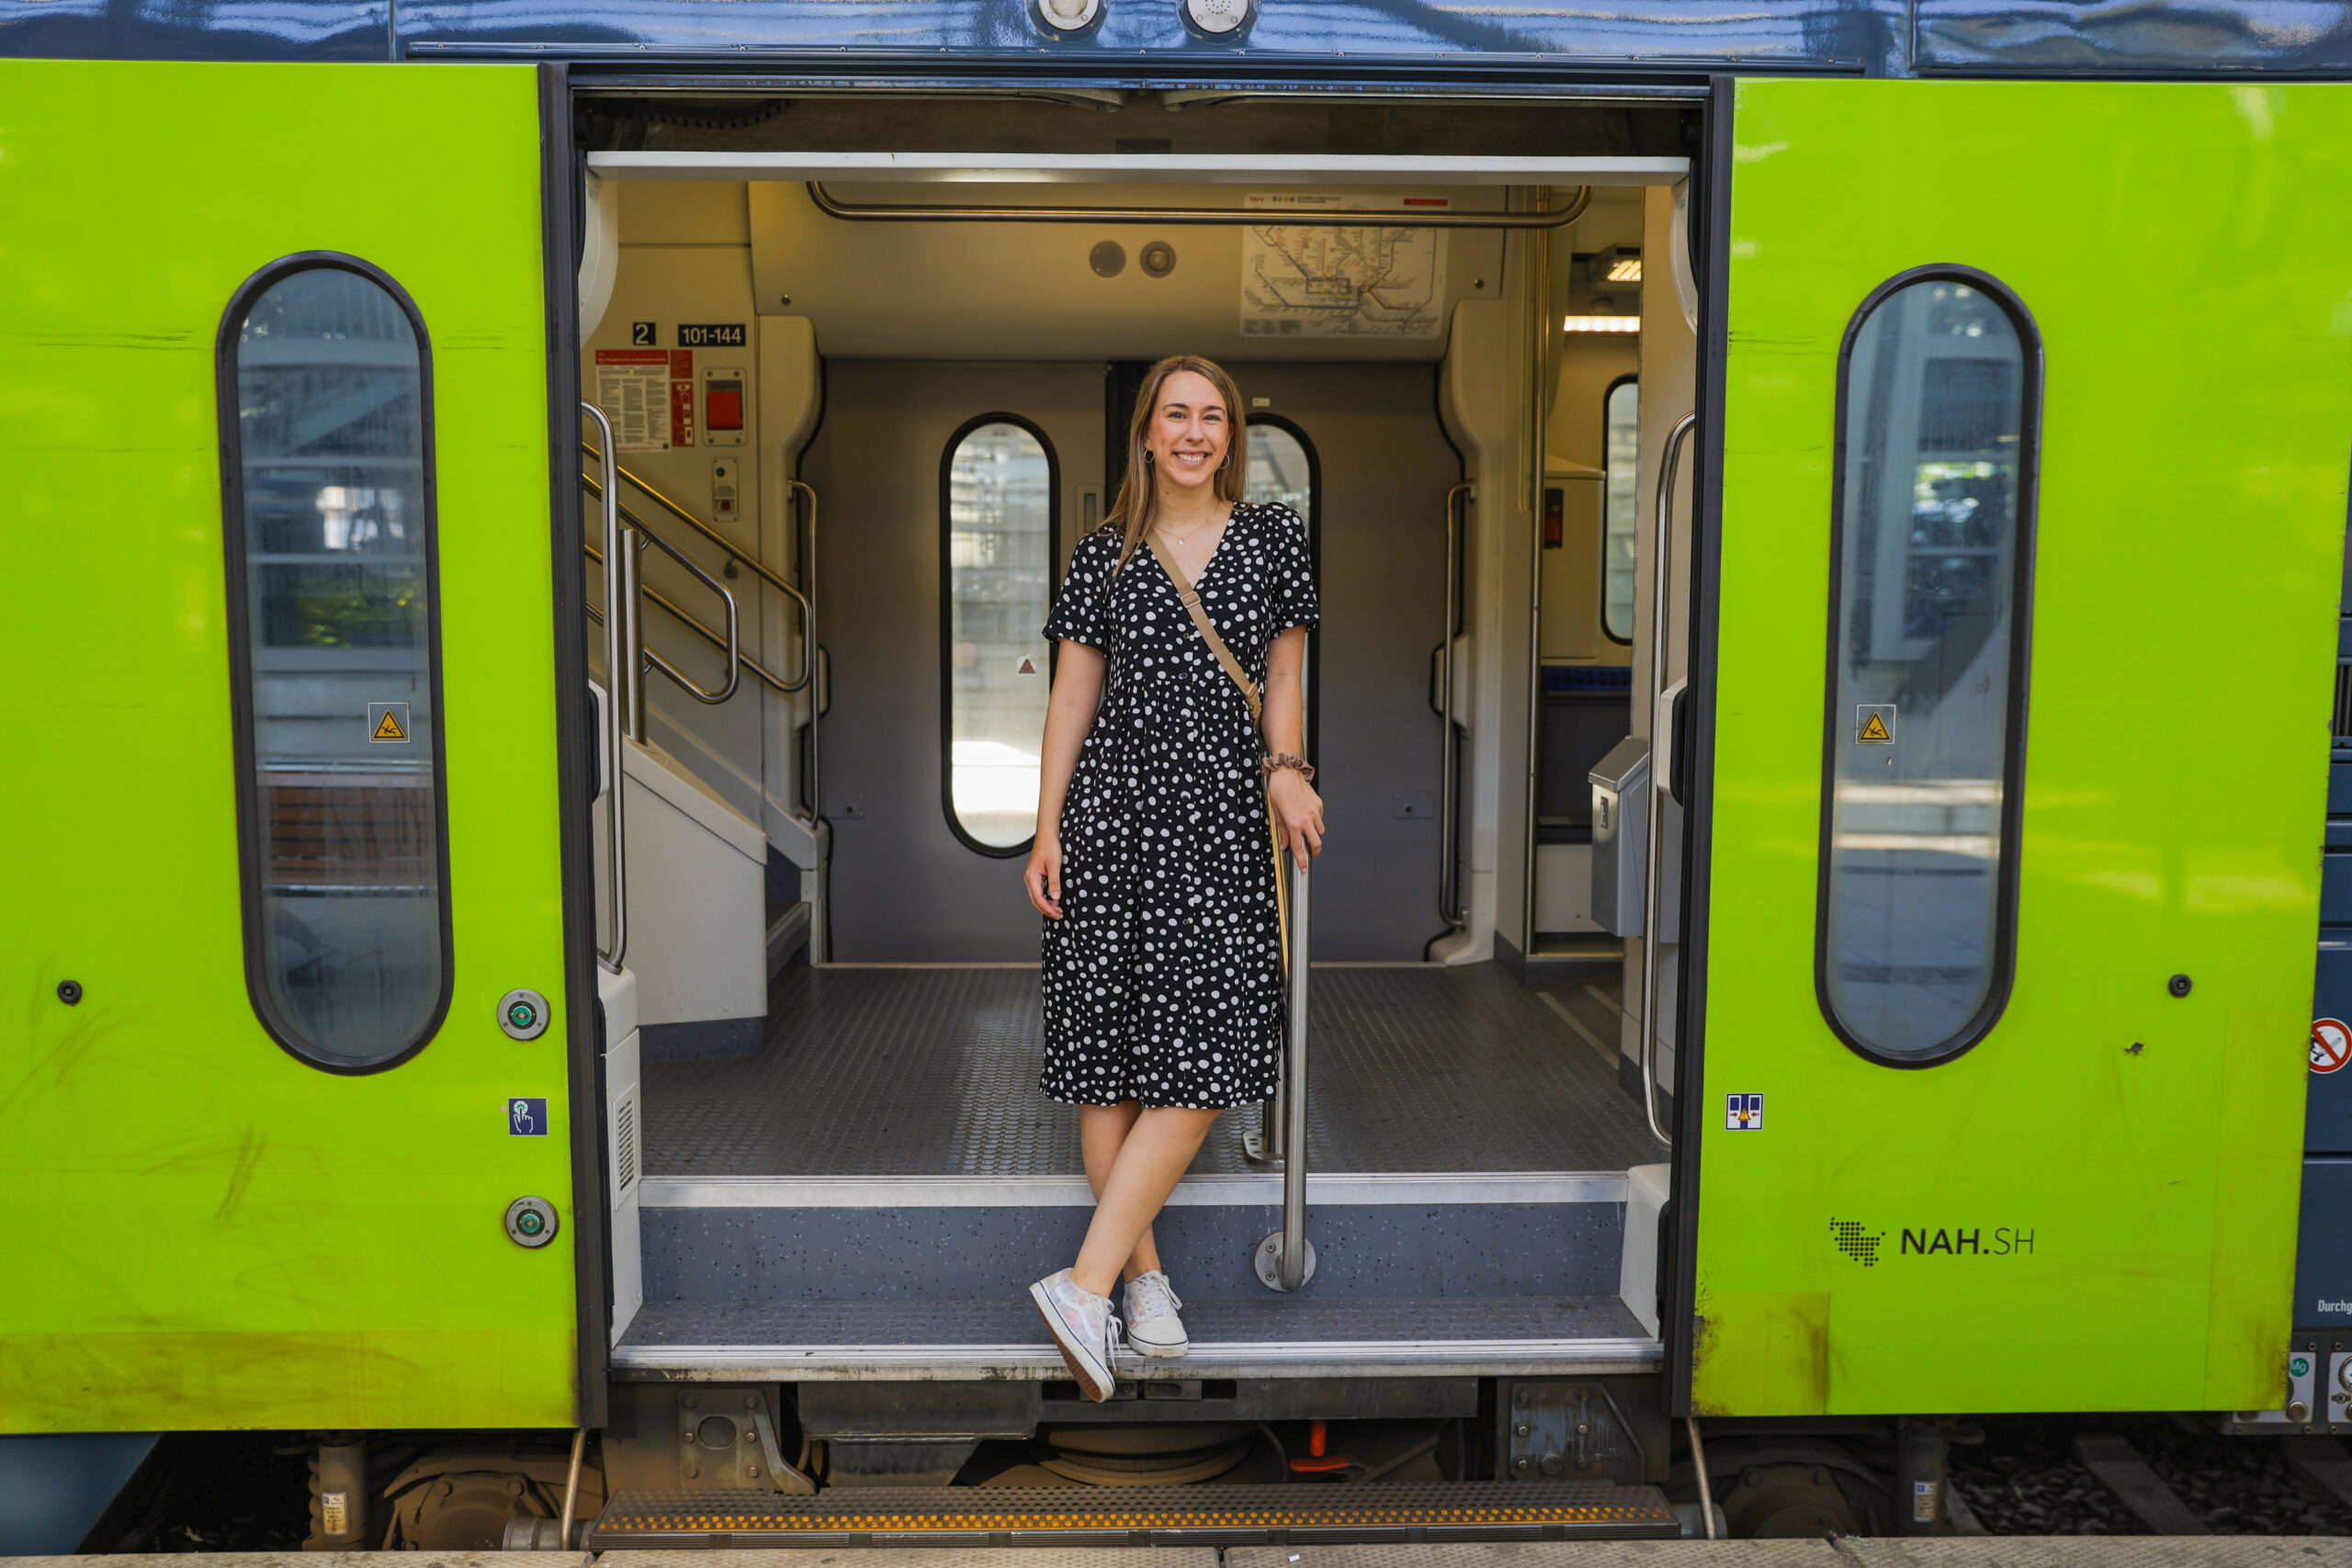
1832	552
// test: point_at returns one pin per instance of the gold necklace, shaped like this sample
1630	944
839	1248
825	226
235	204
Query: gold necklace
1179	538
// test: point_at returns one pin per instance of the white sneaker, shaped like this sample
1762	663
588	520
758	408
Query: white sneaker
1153	1328
1084	1329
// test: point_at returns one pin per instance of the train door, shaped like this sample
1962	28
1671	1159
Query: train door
954	493
2019	563
287	1108
944	486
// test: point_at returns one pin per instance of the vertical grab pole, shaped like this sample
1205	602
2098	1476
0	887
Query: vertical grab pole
1449	871
1286	1259
620	652
817	678
1654	879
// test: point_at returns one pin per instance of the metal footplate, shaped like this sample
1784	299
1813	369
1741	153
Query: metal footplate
1191	1516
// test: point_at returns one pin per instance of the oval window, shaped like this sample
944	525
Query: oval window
1280	469
1620	457
1931	565
325	397
996	559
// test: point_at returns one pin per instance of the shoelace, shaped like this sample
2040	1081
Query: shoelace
1161	1288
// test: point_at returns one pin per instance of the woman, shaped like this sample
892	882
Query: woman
1163	987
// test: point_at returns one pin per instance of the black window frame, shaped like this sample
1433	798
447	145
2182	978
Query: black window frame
947	612
1633	379
2005	916
253	872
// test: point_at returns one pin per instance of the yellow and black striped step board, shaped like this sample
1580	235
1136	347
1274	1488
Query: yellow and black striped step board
1094	1516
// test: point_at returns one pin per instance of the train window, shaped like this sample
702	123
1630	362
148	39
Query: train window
1620	457
1931	531
1280	469
996	565
326	420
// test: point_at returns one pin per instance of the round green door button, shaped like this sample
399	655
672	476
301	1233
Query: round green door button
530	1221
523	1014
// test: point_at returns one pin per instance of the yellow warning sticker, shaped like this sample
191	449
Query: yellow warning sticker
387	724
1874	724
1028	666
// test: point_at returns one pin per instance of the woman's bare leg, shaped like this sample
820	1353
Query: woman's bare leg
1102	1129
1150	1161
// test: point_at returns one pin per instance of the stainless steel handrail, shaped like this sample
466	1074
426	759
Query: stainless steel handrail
766	676
1448	876
1654	875
617	654
1286	1259
738	554
734	623
832	206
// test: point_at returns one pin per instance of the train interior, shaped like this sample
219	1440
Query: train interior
830	1162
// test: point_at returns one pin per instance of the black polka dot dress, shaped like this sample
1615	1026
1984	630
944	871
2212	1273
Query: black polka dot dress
1163	977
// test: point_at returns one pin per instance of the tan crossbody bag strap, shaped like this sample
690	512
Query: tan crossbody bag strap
1190	600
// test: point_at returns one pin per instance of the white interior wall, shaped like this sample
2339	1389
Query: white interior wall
686	257
917	290
1669	358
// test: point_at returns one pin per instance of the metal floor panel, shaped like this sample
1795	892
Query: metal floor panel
933	1072
1270	1337
1137	1516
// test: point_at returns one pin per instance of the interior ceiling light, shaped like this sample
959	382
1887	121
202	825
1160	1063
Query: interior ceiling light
1618	263
1600	323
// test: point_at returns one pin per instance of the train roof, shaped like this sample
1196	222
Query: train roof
1667	45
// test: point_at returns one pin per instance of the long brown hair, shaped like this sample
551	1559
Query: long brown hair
1139	496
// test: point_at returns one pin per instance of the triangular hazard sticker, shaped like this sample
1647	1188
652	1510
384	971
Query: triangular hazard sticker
1028	666
389	727
1874	728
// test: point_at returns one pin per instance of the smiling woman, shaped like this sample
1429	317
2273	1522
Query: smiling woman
1183	629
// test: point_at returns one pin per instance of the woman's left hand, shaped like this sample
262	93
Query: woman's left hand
1298	812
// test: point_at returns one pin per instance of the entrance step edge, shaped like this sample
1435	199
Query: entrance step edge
1443	1188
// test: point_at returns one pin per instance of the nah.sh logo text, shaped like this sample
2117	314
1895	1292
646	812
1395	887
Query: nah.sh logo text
1966	1241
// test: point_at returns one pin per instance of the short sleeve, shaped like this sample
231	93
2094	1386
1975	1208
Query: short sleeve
1081	611
1291	577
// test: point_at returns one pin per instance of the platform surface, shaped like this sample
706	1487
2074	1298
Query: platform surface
1982	1551
891	1071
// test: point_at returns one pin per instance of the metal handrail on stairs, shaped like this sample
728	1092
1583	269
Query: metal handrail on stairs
777	684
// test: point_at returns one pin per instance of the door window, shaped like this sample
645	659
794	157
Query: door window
1620	456
996	564
327	420
1280	471
1931	533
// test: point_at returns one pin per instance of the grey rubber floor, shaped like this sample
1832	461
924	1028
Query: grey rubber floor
933	1072
1284	1320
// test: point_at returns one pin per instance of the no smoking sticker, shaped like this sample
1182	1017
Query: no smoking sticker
2330	1044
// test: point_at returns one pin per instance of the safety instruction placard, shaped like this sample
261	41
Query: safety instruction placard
648	394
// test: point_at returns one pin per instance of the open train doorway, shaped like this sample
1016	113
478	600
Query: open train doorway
879	390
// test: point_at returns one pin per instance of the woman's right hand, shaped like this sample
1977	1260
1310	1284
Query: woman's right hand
1043	876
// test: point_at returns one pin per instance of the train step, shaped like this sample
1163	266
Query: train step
945	1238
1264	1336
1187	1516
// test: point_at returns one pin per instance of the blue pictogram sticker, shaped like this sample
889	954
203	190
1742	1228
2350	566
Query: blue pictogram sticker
527	1117
1744	1112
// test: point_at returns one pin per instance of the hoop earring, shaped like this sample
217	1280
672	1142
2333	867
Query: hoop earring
1146	457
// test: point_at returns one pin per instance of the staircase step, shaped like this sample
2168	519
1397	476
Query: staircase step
916	1238
1133	1515
1266	1336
